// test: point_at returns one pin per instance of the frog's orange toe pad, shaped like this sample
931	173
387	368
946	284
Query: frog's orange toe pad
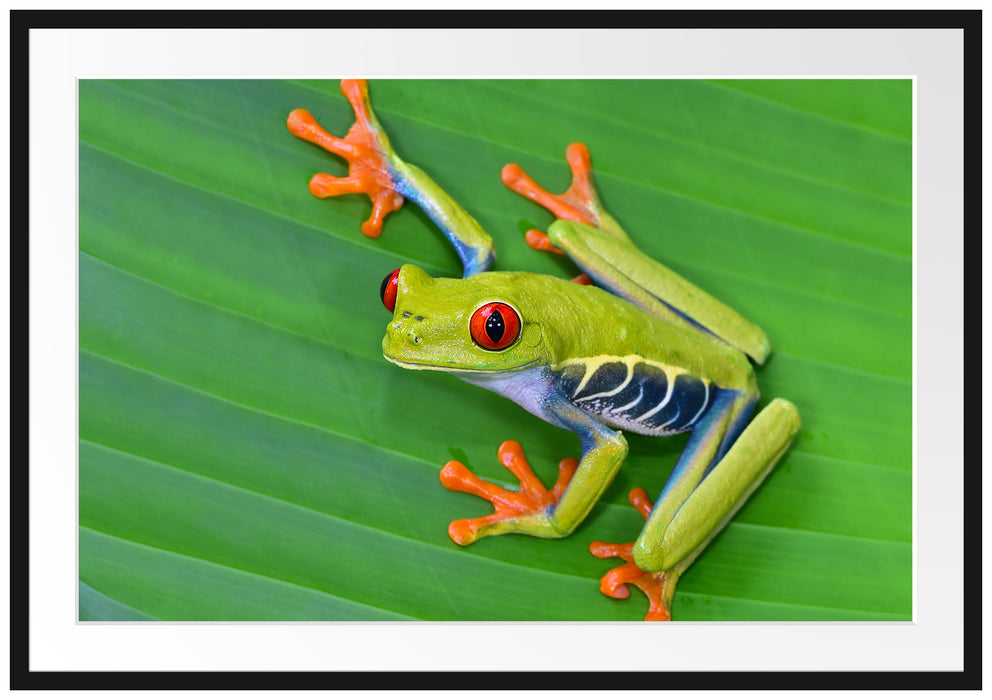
538	240
463	532
302	125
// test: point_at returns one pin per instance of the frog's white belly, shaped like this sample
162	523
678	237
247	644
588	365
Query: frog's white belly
636	394
529	387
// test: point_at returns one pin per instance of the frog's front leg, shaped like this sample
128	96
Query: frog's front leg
376	170
533	509
713	478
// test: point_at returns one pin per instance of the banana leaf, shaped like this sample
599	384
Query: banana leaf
247	454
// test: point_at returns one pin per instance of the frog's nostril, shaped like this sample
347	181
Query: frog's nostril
404	329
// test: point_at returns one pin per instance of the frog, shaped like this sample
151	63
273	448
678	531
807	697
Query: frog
627	345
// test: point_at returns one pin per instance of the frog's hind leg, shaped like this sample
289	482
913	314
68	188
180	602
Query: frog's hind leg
376	170
714	477
595	241
579	203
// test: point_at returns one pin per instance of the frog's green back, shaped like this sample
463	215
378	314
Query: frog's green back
583	321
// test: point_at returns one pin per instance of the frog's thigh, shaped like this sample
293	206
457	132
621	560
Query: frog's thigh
615	263
598	254
726	488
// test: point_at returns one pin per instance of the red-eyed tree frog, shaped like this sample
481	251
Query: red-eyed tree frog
631	347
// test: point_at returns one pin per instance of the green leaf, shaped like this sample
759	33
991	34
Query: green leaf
246	453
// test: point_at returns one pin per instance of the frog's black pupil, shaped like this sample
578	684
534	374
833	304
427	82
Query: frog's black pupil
495	326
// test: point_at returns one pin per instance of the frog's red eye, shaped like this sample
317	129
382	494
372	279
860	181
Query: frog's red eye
495	325
387	292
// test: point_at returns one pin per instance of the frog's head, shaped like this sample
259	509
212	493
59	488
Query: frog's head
484	323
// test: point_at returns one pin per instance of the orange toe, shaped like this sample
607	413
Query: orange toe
657	586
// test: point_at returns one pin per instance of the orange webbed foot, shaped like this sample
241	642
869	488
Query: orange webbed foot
512	507
365	148
659	586
578	203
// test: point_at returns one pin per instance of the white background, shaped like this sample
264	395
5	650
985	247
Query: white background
932	642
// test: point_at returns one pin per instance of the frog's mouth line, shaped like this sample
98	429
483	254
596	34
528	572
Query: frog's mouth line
409	365
454	370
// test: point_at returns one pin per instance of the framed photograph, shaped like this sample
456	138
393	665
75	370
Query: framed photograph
226	474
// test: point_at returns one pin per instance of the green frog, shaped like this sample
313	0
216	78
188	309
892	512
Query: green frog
628	345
